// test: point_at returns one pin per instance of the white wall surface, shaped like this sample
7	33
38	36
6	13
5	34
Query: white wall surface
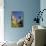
43	6
1	21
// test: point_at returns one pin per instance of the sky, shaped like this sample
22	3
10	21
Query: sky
18	14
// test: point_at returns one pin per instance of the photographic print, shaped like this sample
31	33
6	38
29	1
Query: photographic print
17	18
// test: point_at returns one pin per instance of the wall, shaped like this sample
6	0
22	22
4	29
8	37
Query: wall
1	21
43	6
29	7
